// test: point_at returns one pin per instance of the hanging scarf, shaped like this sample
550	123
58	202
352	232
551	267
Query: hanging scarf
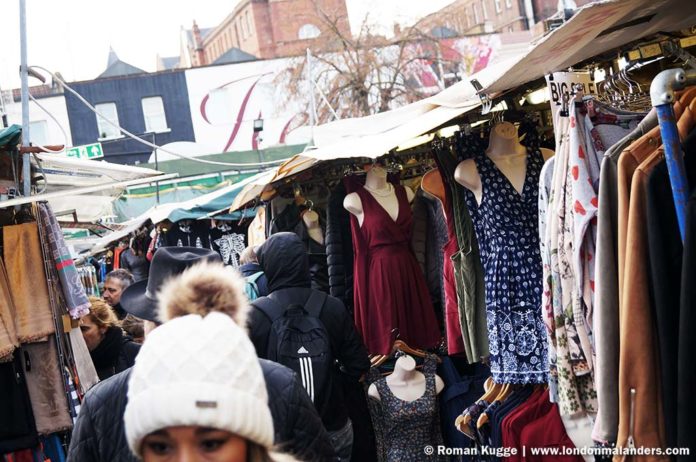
8	333
27	281
46	386
73	290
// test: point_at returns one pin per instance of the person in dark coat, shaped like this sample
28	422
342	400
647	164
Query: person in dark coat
99	432
250	267
112	351
285	262
115	283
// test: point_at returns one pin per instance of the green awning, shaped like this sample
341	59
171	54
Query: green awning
191	167
11	136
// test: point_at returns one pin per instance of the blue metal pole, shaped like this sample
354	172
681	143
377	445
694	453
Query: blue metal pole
662	97
675	162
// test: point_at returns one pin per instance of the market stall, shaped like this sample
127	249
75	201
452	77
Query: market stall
527	236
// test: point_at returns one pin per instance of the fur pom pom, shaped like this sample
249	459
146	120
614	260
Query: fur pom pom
202	289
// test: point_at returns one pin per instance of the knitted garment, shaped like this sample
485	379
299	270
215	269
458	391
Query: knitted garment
198	371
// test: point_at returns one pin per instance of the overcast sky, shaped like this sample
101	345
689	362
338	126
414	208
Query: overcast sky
74	36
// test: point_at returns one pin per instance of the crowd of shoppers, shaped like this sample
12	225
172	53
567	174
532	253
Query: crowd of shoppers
199	389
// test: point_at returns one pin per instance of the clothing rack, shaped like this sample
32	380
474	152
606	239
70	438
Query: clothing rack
662	96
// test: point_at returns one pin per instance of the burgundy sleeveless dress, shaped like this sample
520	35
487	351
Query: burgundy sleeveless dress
391	295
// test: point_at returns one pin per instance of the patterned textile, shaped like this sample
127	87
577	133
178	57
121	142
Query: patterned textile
571	380
508	238
73	397
70	281
410	426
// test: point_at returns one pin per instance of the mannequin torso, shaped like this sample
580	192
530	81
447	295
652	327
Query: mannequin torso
506	152
311	221
406	383
384	193
432	184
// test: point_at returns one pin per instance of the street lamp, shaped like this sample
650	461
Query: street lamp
258	125
258	128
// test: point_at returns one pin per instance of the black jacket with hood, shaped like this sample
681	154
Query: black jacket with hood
285	262
99	433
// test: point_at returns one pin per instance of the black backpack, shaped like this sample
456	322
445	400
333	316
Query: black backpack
299	340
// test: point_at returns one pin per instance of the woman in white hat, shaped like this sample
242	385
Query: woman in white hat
197	394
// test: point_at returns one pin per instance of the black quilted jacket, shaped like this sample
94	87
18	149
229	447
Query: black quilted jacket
99	434
339	248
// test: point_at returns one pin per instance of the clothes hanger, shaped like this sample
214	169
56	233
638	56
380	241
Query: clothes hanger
462	421
400	345
504	393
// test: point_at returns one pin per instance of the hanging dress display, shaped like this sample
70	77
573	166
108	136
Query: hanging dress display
391	295
506	226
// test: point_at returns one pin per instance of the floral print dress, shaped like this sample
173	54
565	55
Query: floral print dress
407	427
506	226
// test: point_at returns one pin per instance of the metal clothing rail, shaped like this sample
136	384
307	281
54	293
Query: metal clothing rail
662	96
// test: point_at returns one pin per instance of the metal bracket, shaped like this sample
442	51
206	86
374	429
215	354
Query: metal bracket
486	101
667	82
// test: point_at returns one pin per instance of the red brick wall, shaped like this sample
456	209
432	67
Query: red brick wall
273	27
264	30
288	16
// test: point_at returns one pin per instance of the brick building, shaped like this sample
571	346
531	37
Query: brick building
465	17
265	29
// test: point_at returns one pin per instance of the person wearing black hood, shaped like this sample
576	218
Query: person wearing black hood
285	263
111	350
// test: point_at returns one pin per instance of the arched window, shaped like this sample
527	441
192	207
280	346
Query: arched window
308	31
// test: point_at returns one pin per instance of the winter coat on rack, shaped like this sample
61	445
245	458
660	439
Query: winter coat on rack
339	248
99	433
114	354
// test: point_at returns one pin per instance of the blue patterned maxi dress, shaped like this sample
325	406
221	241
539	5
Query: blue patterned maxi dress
506	224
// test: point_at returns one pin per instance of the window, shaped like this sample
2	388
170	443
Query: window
106	130
476	14
483	8
498	6
153	111
508	3
38	131
308	31
248	24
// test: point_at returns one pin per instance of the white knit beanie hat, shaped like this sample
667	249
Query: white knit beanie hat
200	371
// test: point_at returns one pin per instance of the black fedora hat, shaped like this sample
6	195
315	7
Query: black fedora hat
140	299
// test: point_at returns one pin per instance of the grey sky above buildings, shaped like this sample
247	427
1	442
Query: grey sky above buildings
74	37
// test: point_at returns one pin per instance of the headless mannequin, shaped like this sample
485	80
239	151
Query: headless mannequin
310	218
384	193
406	383
433	185
506	152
